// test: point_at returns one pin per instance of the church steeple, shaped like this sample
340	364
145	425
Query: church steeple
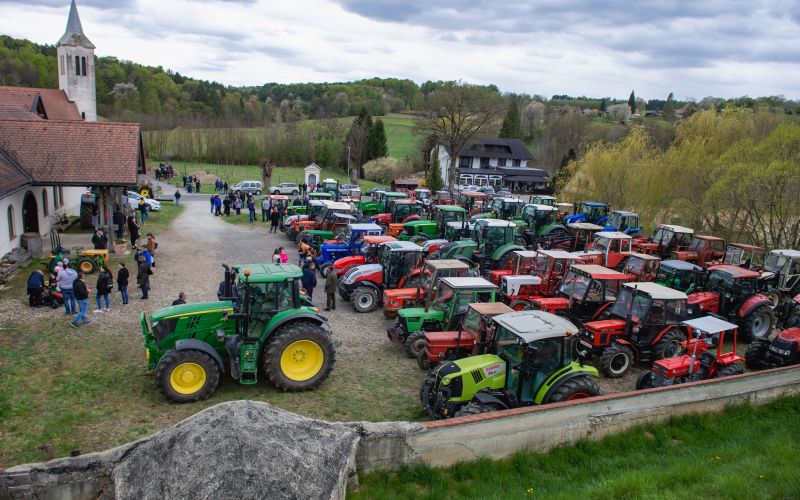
74	36
76	66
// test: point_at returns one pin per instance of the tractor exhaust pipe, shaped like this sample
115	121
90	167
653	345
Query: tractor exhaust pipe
227	290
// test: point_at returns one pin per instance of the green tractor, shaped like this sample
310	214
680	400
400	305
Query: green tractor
537	221
492	245
502	208
260	321
420	231
533	366
379	203
444	310
330	186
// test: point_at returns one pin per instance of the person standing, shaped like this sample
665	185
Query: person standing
274	217
284	256
197	185
142	210
225	187
133	229
212	201
105	281
264	209
303	250
331	283
180	300
152	246
95	215
119	220
251	208
217	205
237	204
309	280
276	256
65	281
100	240
177	197
122	282
35	288
143	276
82	296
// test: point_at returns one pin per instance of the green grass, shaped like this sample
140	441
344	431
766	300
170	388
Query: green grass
745	452
161	220
400	135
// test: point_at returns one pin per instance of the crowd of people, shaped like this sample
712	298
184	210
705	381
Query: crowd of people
165	172
220	205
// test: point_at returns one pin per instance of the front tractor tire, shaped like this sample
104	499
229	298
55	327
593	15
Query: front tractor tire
727	371
473	408
423	360
616	360
580	387
364	299
755	356
299	357
186	376
757	324
415	344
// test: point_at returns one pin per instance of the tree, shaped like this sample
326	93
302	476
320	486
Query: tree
376	142
456	113
603	105
619	112
512	125
533	117
434	177
632	102
669	108
266	174
356	144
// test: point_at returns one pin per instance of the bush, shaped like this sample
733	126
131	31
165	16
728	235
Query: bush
386	169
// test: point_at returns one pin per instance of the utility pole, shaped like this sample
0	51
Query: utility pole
349	177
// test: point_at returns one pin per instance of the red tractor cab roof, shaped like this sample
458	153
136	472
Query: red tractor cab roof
708	238
642	256
601	272
557	254
377	240
735	271
491	308
474	194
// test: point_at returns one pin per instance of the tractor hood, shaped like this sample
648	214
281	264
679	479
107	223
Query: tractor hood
418	312
353	274
191	309
403	293
347	262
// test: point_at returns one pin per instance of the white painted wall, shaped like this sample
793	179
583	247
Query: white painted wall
79	88
71	206
444	163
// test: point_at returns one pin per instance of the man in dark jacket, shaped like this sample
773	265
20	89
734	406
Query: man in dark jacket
143	276
100	240
180	300
82	297
122	282
35	287
309	280
331	282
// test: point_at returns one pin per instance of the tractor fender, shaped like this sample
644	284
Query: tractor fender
664	331
508	247
751	303
410	218
199	345
562	376
601	309
488	399
316	318
367	284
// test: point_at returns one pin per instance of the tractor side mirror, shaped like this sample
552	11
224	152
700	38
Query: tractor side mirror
581	357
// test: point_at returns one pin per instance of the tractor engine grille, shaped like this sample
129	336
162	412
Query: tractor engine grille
477	376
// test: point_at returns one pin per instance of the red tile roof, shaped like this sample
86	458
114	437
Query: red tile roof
74	152
11	176
14	112
19	96
57	106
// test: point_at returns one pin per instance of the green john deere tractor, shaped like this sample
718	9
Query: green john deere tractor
532	367
261	320
419	231
444	310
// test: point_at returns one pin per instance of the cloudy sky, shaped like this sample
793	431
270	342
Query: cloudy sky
693	48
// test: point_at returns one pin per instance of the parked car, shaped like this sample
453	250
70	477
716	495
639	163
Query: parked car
286	188
249	187
488	191
345	189
503	193
133	201
374	190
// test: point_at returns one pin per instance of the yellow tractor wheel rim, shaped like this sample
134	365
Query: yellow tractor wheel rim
302	360
187	378
86	266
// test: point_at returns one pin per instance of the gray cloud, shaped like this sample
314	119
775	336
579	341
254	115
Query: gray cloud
100	4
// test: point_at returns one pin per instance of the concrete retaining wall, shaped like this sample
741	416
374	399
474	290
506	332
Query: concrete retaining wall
501	434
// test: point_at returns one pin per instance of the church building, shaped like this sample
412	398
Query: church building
53	150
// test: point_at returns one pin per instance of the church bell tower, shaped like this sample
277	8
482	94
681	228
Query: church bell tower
76	66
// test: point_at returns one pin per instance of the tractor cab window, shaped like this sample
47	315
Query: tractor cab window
443	296
746	286
541	264
575	285
634	265
510	347
493	238
719	281
682	238
733	255
497	205
674	312
629	304
348	234
697	244
777	263
542	358
610	290
472	321
596	292
663	236
656	313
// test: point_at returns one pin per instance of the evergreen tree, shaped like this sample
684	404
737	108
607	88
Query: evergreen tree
632	102
357	141
603	105
434	177
512	123
669	108
376	143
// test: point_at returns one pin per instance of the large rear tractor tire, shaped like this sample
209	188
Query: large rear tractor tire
755	354
521	241
364	299
616	360
473	408
669	345
575	388
186	376
645	380
727	371
325	269
757	324
414	344
299	356
423	360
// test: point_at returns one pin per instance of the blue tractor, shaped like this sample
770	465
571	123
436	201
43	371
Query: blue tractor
588	211
347	243
624	222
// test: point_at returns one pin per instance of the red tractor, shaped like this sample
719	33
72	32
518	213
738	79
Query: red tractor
702	250
399	212
476	336
547	271
744	255
736	294
668	238
579	236
784	349
698	362
522	262
585	292
414	292
644	324
607	249
369	255
363	285
641	266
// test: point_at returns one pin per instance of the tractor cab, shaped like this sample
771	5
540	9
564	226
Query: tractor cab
491	234
398	258
699	362
506	208
680	275
322	210
744	255
533	366
522	262
784	269
702	250
580	236
624	222
320	196
551	266
640	266
443	198
312	211
404	210
588	211
421	230
472	201
330	186
550	201
584	293
538	216
564	210
608	249
368	255
426	280
476	336
348	243
668	238
388	198
423	195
